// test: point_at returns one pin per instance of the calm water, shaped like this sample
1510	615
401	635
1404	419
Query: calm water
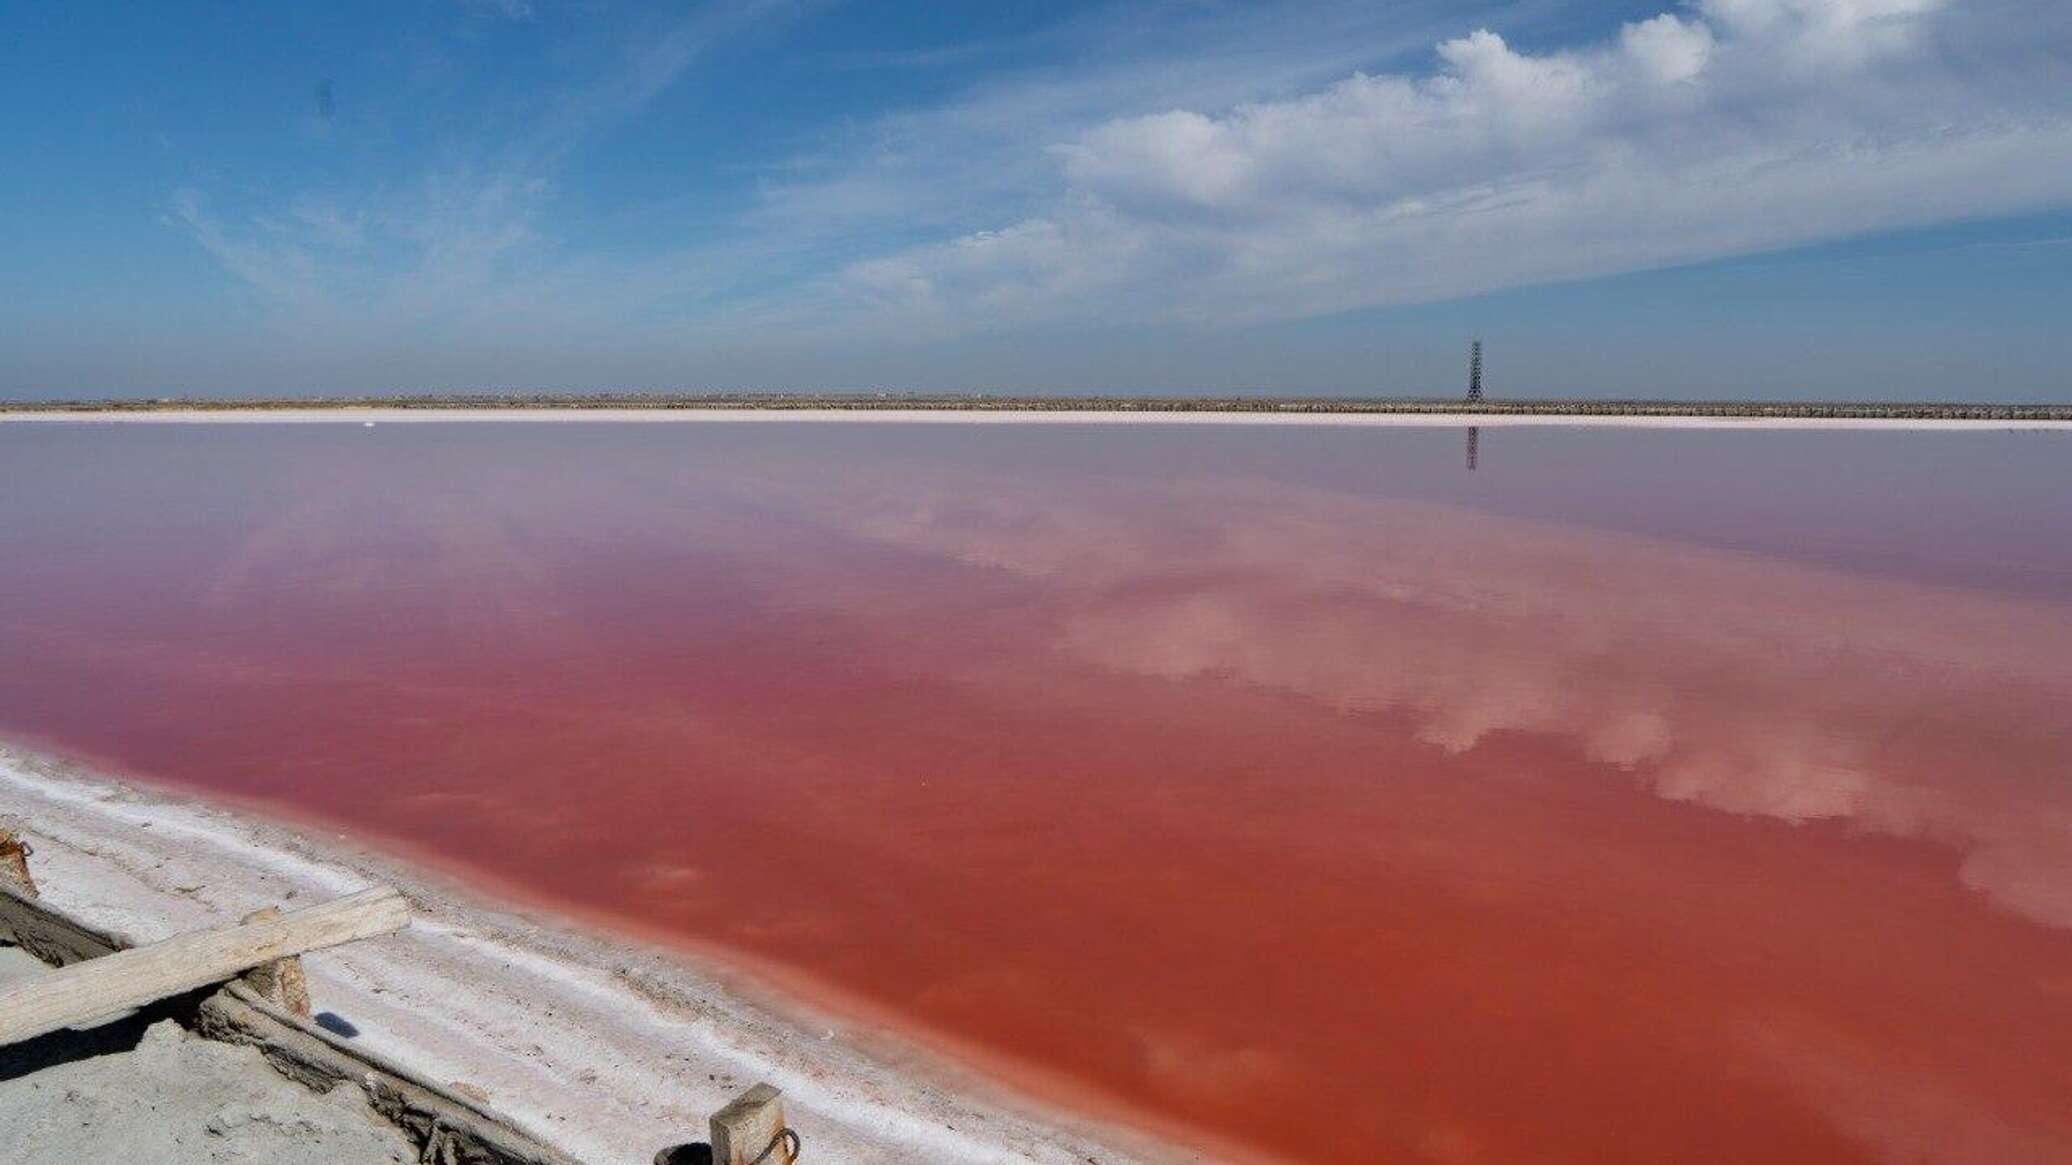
1637	797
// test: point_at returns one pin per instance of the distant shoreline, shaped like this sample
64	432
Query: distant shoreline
985	403
1063	410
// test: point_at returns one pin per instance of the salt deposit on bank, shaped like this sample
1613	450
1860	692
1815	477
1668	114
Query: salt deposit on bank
604	1049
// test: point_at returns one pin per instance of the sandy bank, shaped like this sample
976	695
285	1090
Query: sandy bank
135	1090
366	416
605	1049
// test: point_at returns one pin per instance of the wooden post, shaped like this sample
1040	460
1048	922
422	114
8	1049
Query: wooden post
750	1130
281	982
131	978
14	862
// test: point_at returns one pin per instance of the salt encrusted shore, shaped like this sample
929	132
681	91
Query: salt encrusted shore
868	416
605	1048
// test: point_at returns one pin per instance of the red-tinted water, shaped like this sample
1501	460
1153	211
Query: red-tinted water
1640	798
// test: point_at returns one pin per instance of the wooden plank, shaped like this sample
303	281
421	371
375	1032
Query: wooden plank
444	1125
139	975
748	1130
48	935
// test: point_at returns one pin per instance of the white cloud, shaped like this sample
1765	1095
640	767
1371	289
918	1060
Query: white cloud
1824	31
1487	80
1668	48
1737	126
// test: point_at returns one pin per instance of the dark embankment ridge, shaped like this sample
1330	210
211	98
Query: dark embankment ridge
970	402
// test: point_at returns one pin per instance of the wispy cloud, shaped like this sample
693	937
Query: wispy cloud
915	58
382	257
505	9
2024	244
465	237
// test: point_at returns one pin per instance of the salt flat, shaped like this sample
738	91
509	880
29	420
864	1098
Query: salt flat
134	1090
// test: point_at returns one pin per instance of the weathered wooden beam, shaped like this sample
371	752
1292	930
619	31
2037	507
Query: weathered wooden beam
445	1125
14	862
139	975
43	932
750	1130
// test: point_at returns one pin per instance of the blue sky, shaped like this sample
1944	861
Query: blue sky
1845	198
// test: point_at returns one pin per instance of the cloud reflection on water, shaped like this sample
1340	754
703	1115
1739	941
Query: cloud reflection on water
1748	685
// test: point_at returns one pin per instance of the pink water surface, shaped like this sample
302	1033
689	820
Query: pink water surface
1638	797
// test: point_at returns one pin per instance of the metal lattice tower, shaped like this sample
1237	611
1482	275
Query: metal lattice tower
1475	372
